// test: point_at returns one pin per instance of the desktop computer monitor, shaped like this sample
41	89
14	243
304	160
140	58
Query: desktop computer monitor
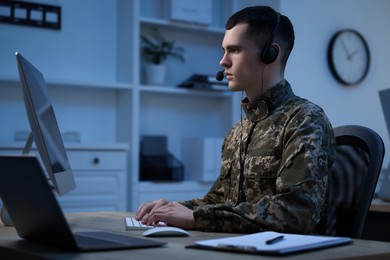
44	127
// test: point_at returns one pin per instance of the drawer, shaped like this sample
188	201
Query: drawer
96	191
98	185
86	159
97	160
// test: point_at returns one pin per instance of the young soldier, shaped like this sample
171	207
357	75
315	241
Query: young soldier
275	162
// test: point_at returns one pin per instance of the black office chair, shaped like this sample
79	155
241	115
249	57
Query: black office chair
355	173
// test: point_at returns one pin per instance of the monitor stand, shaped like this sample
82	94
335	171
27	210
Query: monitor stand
27	146
5	218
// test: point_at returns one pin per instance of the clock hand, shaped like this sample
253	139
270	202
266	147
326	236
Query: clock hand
345	48
353	54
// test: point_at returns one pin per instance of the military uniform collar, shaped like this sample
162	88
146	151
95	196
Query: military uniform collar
272	98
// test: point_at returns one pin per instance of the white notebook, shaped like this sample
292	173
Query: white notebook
283	243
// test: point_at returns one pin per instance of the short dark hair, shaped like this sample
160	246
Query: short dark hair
262	21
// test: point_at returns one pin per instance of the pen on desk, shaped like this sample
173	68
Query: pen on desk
274	240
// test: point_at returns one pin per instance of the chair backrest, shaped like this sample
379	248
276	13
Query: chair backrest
355	172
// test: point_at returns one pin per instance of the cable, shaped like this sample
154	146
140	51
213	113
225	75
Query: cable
241	195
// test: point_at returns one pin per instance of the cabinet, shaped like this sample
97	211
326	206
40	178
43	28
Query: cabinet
100	172
97	84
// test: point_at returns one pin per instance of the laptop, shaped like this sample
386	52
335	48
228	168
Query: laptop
38	217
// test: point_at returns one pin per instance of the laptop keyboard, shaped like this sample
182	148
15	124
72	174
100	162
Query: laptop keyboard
133	224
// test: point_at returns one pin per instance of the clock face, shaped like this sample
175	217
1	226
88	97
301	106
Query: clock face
348	57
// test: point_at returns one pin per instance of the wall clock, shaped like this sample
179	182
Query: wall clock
348	57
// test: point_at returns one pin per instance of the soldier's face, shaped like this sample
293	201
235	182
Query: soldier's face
241	61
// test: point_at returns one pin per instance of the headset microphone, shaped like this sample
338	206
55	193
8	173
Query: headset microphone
219	75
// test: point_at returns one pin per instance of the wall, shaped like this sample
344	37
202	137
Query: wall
315	22
84	50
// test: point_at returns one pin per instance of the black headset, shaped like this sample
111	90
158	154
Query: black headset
270	53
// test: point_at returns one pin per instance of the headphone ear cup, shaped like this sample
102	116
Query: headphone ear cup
270	55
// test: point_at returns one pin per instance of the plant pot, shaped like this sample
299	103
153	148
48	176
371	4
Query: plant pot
155	74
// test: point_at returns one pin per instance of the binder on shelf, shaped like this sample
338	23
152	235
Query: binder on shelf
204	82
161	168
156	163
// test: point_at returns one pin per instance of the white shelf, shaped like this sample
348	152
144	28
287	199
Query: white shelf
14	80
170	186
17	145
184	91
90	84
171	191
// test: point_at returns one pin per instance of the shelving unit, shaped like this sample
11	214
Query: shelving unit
120	108
175	112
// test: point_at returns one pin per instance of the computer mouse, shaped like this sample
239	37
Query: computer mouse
166	232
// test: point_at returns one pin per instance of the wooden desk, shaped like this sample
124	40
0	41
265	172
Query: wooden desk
378	221
380	205
12	247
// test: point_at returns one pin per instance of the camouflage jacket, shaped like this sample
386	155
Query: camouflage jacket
288	148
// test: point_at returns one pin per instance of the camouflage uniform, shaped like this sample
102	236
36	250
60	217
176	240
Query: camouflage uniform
288	148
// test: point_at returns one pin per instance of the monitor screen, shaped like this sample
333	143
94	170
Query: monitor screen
44	127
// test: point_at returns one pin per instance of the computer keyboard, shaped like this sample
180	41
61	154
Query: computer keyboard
133	224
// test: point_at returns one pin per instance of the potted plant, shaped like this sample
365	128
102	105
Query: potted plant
156	49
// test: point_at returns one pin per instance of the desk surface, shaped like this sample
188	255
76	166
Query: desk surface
11	246
380	205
